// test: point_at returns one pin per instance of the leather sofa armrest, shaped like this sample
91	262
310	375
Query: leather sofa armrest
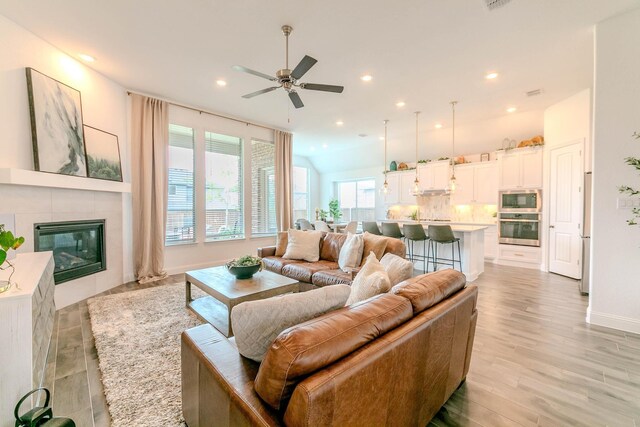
217	383
266	251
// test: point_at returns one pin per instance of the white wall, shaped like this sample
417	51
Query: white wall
566	122
104	107
615	287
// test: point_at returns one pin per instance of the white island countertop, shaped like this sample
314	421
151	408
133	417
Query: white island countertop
455	226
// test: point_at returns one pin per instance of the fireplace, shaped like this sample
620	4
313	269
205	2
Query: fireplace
77	246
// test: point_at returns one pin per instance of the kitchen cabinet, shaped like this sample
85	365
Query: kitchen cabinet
400	188
491	242
434	176
521	168
476	184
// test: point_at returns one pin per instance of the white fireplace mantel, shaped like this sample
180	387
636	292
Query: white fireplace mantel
52	180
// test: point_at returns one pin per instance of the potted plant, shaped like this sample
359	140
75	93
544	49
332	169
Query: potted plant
322	214
625	189
334	210
245	267
7	242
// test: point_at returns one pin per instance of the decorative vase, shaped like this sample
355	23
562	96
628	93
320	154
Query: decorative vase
5	285
393	166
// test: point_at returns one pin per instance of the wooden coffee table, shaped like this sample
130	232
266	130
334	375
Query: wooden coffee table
225	292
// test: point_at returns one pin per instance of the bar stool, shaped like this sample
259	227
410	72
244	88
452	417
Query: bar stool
371	227
392	229
442	234
415	233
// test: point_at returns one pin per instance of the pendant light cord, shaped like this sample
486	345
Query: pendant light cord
385	149
453	138
417	113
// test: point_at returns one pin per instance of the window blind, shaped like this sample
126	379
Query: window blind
224	218
300	193
263	192
180	197
357	200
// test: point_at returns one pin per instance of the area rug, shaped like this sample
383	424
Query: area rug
137	336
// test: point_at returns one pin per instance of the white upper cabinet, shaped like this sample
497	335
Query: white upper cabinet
476	184
393	197
434	176
400	188
521	168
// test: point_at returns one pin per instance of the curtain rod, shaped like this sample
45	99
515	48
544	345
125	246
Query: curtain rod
201	111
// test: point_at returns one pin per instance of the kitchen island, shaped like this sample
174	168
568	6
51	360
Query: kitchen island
471	246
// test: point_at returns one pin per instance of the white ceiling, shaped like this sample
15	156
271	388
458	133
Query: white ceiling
423	52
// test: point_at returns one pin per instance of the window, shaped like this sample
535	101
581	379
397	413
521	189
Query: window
180	199
357	200
223	187
300	193
263	190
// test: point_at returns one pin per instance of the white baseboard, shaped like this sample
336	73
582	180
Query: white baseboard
607	320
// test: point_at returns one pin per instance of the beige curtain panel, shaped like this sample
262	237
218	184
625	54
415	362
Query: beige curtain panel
284	180
149	146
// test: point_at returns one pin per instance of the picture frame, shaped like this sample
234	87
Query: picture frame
103	154
57	132
485	157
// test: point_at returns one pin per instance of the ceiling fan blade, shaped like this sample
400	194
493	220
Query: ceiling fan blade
304	66
254	72
324	88
295	98
260	92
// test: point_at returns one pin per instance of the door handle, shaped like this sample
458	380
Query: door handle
552	226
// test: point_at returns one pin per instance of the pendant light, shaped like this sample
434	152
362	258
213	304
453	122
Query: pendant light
416	182
385	186
452	180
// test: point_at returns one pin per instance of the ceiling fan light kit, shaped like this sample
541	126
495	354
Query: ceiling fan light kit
287	79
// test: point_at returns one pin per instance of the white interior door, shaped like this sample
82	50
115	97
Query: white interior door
565	210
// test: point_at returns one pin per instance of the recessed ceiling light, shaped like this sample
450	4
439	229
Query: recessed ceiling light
400	104
313	148
325	146
381	138
511	110
491	76
438	126
221	82
87	58
339	122
366	78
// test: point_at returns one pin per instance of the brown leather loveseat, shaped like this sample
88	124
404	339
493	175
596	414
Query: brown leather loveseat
324	271
393	359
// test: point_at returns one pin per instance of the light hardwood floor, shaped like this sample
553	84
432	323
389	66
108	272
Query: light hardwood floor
535	360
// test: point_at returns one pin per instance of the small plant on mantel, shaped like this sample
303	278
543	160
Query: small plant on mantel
7	242
625	189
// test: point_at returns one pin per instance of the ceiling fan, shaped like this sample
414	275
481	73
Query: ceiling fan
287	79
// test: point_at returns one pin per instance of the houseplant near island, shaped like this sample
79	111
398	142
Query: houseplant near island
245	267
7	242
334	210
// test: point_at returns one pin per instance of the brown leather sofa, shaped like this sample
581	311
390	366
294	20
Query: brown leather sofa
394	359
325	271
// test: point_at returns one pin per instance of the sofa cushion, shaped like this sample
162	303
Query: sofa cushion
371	280
351	252
257	323
302	271
331	246
331	277
303	245
427	290
281	243
275	264
310	346
398	269
375	244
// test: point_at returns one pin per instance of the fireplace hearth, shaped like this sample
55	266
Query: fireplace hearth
77	246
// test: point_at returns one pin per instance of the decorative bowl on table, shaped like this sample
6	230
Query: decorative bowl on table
244	267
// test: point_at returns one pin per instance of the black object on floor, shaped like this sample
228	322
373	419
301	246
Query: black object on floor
39	416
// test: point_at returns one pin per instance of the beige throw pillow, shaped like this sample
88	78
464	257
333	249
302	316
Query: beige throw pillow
375	244
370	281
281	242
256	324
351	252
303	245
398	269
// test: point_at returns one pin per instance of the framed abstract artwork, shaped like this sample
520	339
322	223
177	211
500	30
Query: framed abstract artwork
56	126
103	154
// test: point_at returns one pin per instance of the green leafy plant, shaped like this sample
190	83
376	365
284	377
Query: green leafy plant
245	261
625	189
414	215
8	242
334	210
322	214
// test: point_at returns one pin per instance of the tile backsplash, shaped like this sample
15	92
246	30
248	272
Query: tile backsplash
438	207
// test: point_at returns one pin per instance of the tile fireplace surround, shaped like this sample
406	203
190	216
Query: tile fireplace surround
35	204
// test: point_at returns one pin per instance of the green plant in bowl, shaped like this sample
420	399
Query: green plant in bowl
7	242
245	267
